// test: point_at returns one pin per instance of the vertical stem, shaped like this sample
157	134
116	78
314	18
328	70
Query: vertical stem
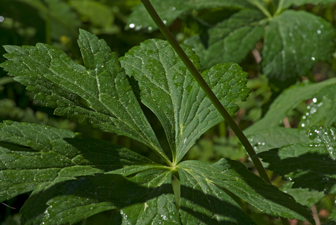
206	89
173	42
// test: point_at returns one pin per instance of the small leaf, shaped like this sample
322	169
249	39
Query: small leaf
98	92
308	164
286	102
236	178
170	91
232	39
283	60
276	137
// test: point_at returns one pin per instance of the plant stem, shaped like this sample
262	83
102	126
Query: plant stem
239	133
261	8
279	8
206	89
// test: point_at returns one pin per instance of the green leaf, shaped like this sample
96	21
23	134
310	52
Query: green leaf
292	48
63	20
286	102
146	198
170	91
232	39
287	3
303	196
321	110
97	13
169	10
98	92
236	178
276	137
308	164
34	156
202	202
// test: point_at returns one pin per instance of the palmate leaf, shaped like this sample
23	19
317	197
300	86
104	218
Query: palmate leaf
170	91
232	39
169	10
286	102
294	41
237	179
308	164
98	92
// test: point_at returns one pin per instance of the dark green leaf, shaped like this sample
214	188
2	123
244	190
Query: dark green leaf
169	10
287	3
236	178
98	92
170	91
294	42
309	164
33	156
202	202
232	39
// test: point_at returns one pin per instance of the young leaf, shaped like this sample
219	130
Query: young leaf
35	156
202	202
282	59
287	101
276	137
309	164
236	178
147	198
169	90
98	92
232	39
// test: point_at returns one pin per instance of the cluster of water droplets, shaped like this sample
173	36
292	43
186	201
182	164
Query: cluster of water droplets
311	110
324	137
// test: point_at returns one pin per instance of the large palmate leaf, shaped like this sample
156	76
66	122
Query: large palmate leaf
236	178
294	41
170	91
147	198
169	10
308	164
286	102
232	39
32	156
98	92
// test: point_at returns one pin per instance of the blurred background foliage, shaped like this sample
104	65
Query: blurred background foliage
56	22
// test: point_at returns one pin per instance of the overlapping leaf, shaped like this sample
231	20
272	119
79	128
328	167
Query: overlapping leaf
236	178
294	41
34	155
287	101
147	198
98	92
169	10
309	164
232	39
170	91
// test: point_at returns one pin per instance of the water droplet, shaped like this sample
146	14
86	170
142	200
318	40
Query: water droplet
313	58
132	25
164	21
318	31
174	8
2	19
150	28
314	100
